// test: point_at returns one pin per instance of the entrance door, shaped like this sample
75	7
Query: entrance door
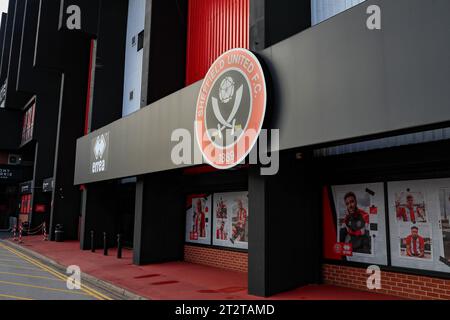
126	200
4	211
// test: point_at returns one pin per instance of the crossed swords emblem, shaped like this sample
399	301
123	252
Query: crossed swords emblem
230	123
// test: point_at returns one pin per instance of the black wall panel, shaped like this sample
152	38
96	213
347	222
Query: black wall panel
159	219
10	130
16	99
167	64
109	71
6	50
272	21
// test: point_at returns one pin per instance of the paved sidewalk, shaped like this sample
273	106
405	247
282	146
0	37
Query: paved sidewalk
176	280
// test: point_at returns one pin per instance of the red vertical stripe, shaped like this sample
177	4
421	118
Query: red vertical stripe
227	25
88	97
218	34
188	44
329	228
238	13
226	4
214	26
239	23
201	26
217	26
233	23
221	27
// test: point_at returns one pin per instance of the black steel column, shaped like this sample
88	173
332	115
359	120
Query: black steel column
285	230
159	219
258	235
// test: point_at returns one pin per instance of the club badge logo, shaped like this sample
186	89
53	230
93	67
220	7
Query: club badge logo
100	147
99	153
231	108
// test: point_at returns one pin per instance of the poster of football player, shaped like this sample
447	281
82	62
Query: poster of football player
221	209
410	207
239	222
418	213
221	231
231	220
198	227
360	222
444	200
416	241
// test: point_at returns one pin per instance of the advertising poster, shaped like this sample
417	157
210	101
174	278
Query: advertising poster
410	207
416	242
198	219
418	214
231	220
359	223
444	199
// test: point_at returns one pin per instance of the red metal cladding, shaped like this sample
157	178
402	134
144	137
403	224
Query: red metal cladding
215	26
89	88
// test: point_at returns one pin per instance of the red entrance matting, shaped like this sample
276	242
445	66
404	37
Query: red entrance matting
176	280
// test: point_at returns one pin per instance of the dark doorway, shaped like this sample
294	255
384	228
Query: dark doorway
8	205
126	193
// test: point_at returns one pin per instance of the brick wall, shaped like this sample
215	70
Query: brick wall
224	259
395	284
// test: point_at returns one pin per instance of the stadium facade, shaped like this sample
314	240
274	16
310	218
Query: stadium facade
93	91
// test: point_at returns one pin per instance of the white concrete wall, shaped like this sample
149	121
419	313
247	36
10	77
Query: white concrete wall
325	9
133	58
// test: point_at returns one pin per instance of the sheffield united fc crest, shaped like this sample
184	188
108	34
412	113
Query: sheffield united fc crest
230	108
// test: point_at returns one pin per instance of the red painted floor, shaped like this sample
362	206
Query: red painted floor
177	280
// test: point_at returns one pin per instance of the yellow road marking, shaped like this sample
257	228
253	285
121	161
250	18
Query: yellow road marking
19	284
14	297
28	276
18	267
84	288
45	268
64	278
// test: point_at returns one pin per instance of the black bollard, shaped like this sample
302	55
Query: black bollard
119	246
92	241
105	245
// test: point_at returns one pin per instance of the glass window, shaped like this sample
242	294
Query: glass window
324	9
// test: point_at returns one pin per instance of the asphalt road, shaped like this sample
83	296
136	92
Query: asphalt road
5	235
23	277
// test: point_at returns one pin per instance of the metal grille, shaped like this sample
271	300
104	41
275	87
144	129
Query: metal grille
215	26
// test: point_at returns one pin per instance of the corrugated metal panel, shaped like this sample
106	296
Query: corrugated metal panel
324	9
396	141
215	26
